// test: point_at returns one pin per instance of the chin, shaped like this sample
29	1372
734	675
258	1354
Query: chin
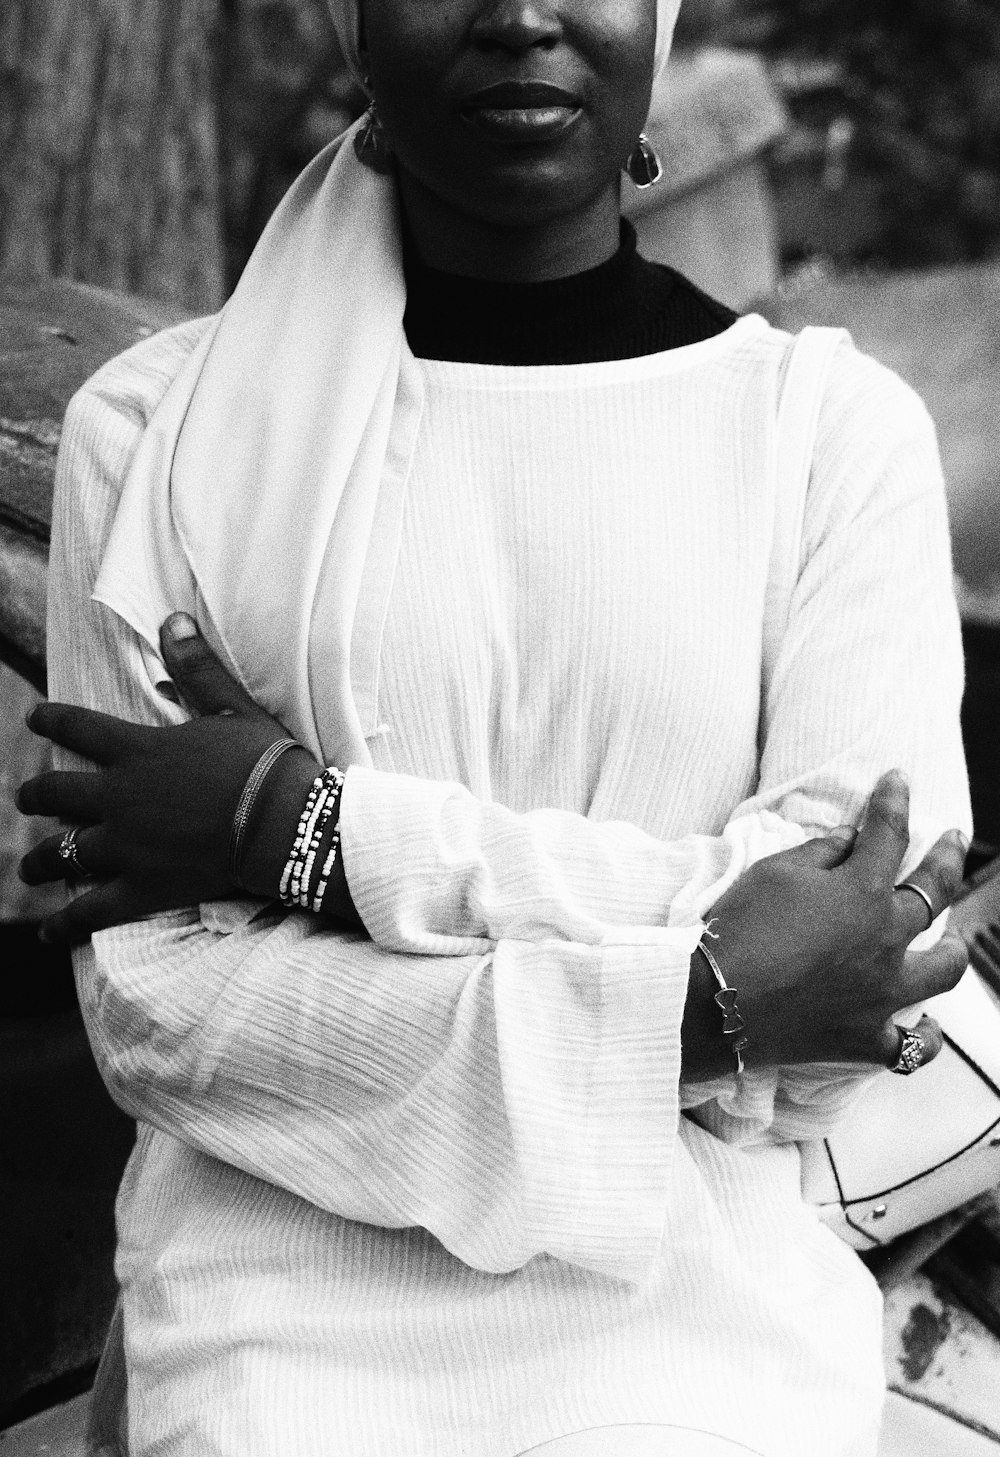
526	192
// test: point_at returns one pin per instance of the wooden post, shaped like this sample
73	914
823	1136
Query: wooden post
108	148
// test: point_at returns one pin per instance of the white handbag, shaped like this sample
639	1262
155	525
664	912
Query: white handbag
910	1148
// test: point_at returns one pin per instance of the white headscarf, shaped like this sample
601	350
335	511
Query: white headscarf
269	449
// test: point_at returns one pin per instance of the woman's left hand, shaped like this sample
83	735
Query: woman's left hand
156	815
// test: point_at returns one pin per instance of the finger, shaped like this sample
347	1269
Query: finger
44	863
204	684
936	970
885	832
62	794
939	876
96	736
985	946
825	852
927	1029
984	954
111	903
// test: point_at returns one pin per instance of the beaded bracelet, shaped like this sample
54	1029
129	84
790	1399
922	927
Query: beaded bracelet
328	865
321	803
244	809
725	999
297	843
316	804
328	801
330	812
308	839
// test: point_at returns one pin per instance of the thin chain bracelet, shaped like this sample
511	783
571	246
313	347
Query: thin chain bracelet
725	999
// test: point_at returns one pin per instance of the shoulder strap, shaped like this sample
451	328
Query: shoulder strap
800	398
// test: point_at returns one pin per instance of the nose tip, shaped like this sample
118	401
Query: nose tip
517	25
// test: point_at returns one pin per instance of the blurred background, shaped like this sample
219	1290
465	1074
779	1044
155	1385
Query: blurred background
831	161
143	143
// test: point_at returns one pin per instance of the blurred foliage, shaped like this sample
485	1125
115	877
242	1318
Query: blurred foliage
900	95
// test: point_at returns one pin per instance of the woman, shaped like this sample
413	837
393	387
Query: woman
473	500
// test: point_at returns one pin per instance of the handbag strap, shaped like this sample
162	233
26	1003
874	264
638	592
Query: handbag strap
801	390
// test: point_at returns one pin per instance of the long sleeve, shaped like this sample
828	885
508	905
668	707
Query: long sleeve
435	871
868	677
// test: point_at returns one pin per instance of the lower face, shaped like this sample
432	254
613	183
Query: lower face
512	112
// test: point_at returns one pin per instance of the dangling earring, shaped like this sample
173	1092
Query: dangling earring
643	165
371	146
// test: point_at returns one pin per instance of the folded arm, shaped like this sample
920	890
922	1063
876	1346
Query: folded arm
463	1069
477	1094
868	675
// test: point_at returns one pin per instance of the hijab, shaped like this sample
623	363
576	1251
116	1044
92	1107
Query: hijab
299	404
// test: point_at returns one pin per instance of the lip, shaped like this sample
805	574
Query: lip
520	96
521	111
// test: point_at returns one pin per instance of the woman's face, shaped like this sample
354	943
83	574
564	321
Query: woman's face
513	112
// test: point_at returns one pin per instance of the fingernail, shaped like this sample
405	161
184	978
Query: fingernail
180	627
844	832
901	777
961	840
44	936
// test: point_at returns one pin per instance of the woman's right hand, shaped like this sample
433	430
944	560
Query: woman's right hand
815	939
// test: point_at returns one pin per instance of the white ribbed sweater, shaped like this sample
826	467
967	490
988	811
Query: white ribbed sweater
431	1193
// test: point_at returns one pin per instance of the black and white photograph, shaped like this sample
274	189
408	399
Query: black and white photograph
499	728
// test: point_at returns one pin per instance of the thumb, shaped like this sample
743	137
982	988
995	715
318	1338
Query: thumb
826	852
204	684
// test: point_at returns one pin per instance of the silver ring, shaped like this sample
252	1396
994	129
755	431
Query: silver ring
911	1052
68	851
919	890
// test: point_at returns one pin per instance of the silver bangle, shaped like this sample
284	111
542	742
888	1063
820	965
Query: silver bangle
725	999
244	809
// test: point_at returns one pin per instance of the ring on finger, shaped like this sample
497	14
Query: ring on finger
69	852
911	1052
919	890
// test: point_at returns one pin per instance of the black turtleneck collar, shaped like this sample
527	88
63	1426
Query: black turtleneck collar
621	309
